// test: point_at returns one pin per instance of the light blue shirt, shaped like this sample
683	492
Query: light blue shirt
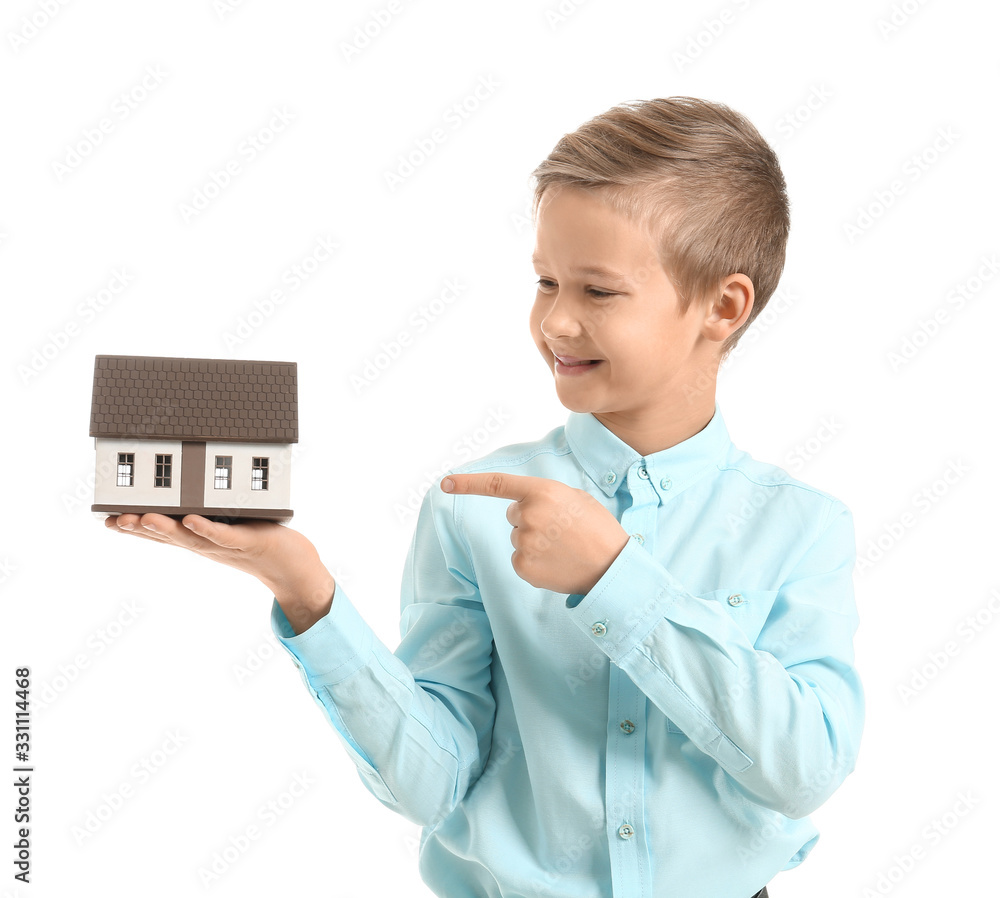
666	734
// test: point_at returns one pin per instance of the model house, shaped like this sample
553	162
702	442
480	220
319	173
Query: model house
194	436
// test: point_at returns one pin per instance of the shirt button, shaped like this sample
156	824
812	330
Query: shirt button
626	831
643	473
639	537
666	483
610	477
599	629
628	728
735	600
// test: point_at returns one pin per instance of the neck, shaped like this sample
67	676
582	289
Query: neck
671	422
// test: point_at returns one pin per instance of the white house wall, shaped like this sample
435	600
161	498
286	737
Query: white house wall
278	493
142	492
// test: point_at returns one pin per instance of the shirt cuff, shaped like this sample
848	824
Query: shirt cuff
333	648
330	651
626	603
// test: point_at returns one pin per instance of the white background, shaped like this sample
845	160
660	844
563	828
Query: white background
814	389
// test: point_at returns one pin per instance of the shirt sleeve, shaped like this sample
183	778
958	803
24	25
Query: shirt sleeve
416	722
782	715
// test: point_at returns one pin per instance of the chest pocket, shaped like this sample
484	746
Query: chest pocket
747	608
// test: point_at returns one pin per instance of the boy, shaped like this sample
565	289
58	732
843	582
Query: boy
653	691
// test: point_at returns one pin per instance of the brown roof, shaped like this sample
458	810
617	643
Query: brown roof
195	399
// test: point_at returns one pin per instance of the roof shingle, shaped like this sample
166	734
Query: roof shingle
156	397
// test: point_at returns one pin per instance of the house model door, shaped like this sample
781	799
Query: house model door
192	474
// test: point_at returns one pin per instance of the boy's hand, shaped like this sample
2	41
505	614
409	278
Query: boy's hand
281	558
563	538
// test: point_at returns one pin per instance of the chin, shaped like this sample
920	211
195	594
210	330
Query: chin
577	403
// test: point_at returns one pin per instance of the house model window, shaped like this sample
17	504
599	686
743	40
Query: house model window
163	465
126	468
223	472
180	436
258	474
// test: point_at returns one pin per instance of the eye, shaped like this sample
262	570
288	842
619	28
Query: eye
546	284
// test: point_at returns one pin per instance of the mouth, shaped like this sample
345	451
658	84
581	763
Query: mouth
567	364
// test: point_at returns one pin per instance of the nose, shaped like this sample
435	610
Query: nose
560	317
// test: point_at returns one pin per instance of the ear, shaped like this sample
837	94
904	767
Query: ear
728	312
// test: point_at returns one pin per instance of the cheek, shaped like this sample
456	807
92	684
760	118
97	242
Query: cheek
632	339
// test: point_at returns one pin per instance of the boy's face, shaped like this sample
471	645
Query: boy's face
646	352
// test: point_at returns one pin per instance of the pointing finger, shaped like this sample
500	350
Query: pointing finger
492	483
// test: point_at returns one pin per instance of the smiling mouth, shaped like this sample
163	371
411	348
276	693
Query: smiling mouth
567	367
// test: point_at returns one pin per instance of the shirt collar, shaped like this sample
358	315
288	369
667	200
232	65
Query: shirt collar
608	460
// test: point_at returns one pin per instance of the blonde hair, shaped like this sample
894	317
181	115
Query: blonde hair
698	177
